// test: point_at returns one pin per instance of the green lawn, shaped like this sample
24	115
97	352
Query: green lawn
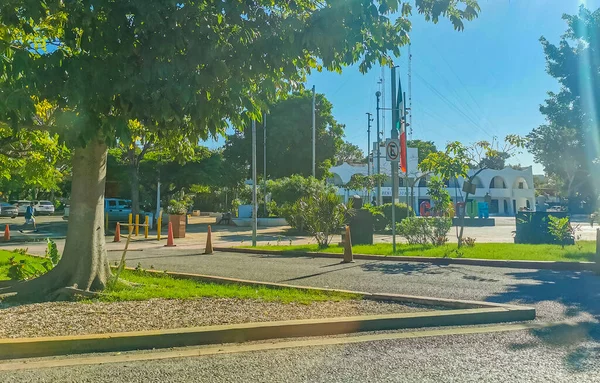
163	286
5	263
581	251
145	285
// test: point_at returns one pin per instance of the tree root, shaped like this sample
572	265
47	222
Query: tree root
66	293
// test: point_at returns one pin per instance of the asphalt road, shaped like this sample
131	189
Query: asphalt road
498	357
560	354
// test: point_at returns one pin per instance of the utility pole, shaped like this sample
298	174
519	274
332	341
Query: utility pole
403	119
254	212
314	134
378	95
394	164
369	120
265	161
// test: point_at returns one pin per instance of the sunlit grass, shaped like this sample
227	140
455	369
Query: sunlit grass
5	262
581	251
143	285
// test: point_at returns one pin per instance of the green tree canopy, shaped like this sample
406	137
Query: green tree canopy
289	138
424	147
567	145
348	152
458	159
190	68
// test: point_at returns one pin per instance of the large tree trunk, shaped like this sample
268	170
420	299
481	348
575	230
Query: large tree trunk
84	263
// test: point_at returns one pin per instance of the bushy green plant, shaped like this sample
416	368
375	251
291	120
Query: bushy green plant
560	229
401	212
379	220
323	214
23	270
288	190
415	230
425	231
177	207
440	198
52	253
440	226
286	194
290	211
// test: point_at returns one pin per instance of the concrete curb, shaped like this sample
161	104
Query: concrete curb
52	346
546	265
463	313
22	239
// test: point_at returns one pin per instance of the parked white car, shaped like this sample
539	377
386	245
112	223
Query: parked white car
21	205
43	207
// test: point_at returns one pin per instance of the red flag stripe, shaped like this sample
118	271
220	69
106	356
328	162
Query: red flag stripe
403	164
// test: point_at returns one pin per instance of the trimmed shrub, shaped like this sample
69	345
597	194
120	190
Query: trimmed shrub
425	231
401	211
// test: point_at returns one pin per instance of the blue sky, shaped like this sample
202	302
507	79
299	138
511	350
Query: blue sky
486	80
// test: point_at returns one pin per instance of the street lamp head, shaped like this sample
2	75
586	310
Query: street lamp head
378	94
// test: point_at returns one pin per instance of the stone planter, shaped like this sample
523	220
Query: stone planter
178	222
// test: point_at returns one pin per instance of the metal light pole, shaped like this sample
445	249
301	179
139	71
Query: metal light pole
265	161
369	119
254	212
394	164
378	95
314	134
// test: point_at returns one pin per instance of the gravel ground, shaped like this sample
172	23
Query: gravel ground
72	318
499	357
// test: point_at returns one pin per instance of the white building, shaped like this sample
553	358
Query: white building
509	189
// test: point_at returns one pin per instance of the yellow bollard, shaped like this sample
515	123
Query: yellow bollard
146	227
158	224
129	226
137	225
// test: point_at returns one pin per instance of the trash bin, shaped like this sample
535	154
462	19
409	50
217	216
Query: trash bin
361	227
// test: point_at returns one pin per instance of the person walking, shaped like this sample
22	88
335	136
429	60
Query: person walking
29	218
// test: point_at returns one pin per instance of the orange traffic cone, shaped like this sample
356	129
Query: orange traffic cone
6	234
348	256
117	233
209	249
170	242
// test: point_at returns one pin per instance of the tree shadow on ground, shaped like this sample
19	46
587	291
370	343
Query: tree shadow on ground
579	292
408	268
398	268
343	266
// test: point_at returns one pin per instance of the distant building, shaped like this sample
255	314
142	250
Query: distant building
509	190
